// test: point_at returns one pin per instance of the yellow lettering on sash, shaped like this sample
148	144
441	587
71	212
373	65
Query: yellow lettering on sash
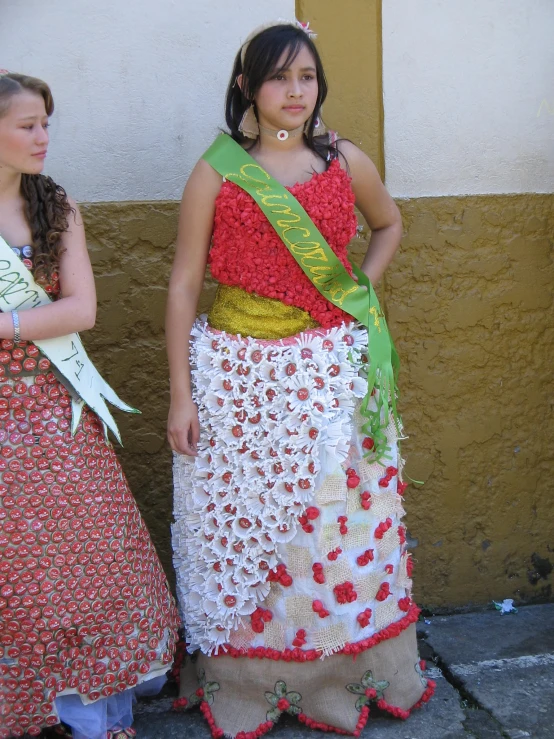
308	250
339	293
249	178
294	219
377	323
322	275
266	200
332	287
281	209
305	233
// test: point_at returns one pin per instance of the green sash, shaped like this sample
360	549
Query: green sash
19	291
326	272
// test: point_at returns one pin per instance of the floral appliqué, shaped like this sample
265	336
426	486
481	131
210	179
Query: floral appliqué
368	689
204	692
283	701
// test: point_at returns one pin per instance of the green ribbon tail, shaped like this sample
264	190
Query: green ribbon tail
382	374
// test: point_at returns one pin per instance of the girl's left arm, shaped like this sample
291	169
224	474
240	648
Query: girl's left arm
75	309
377	207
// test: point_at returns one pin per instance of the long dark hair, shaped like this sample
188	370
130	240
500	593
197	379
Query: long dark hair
260	63
46	205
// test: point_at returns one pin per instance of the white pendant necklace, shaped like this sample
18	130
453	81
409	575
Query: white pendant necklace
282	134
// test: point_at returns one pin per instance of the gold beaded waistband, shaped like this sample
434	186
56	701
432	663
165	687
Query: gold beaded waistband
236	311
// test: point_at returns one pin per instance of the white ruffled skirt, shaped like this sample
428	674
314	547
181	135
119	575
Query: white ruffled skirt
280	512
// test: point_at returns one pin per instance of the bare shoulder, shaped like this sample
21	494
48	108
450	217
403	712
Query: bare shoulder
354	160
74	216
203	182
75	222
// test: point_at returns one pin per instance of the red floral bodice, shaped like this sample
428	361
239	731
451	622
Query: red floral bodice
247	253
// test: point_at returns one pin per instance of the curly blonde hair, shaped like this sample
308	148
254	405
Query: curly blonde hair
46	204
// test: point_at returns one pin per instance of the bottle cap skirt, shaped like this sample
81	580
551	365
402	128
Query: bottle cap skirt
85	607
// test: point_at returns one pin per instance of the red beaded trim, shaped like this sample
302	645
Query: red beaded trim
178	660
311	724
400	712
206	712
264	727
427	695
309	655
364	715
180	704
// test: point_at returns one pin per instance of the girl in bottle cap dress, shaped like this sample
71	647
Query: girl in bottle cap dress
86	615
292	570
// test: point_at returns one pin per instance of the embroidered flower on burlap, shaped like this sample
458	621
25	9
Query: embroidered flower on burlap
204	692
283	701
368	689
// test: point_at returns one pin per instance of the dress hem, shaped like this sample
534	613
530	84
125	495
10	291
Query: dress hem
266	726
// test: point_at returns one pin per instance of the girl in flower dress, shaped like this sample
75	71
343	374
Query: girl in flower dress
86	616
292	571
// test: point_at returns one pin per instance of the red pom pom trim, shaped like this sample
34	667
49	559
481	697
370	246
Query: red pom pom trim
309	655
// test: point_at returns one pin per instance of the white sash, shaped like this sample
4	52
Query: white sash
19	291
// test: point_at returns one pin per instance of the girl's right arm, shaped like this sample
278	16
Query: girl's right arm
75	308
185	285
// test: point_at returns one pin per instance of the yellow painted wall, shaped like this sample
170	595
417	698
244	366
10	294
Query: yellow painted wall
349	41
131	246
470	304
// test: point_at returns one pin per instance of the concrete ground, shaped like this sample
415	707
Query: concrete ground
494	674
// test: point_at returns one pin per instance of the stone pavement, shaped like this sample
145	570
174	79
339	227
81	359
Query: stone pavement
494	674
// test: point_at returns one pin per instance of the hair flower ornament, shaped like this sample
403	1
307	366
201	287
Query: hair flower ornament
306	28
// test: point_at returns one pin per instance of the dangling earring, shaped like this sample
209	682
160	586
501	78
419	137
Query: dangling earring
319	128
249	126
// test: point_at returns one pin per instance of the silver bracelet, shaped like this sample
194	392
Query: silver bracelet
16	331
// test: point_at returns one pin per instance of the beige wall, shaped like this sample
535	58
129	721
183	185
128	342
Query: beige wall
139	85
463	83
